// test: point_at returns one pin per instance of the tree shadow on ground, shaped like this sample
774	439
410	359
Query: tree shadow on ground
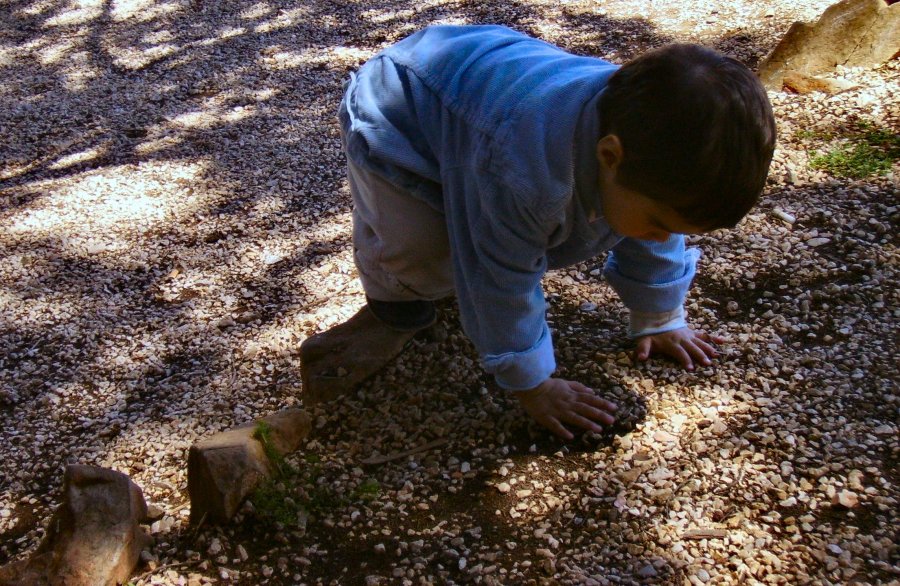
105	93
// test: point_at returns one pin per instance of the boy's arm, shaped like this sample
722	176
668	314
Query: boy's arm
499	244
652	279
499	257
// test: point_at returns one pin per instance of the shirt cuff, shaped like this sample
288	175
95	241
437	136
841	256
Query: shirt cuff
647	323
654	297
521	371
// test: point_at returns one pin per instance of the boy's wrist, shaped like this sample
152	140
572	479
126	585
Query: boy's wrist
533	392
647	323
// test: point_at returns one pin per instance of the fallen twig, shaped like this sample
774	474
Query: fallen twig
397	455
704	534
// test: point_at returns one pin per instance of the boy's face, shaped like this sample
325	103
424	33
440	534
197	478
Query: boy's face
630	213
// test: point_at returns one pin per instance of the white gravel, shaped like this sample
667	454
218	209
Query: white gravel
174	221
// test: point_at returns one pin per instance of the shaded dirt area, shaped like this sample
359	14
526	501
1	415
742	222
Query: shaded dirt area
175	221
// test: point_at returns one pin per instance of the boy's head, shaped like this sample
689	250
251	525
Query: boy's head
694	131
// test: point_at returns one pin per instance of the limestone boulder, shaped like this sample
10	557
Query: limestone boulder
226	468
803	84
853	33
93	539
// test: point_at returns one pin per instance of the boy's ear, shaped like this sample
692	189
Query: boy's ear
610	152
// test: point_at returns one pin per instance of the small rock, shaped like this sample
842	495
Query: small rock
702	575
647	571
503	487
814	242
154	512
804	84
225	468
846	498
664	436
783	215
215	547
93	538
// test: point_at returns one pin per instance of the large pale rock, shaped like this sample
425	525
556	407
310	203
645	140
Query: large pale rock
804	84
853	33
336	361
226	468
94	538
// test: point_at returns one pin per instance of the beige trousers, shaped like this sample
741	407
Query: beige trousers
400	243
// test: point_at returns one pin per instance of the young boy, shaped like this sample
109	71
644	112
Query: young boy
479	158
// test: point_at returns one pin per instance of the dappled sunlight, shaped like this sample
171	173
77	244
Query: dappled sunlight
229	32
142	10
79	71
381	16
95	211
82	403
78	12
7	56
277	57
36	8
58	305
136	58
284	19
209	118
84	156
51	54
258	10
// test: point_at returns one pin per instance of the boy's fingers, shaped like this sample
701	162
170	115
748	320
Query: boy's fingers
698	353
577	386
683	357
601	403
643	348
707	349
557	428
583	422
596	414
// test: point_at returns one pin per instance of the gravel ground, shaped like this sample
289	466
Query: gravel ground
174	221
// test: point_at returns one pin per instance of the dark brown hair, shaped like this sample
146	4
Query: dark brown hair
697	132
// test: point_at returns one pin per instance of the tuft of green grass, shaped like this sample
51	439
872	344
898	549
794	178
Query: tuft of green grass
273	503
281	499
864	149
263	434
855	161
368	490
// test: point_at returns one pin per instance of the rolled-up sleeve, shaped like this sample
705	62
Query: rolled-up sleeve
499	257
651	277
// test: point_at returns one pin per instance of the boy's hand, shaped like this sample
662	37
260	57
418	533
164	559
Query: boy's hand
684	345
557	402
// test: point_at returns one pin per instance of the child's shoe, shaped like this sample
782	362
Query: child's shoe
336	361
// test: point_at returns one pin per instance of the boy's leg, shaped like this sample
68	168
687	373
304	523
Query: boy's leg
400	243
402	254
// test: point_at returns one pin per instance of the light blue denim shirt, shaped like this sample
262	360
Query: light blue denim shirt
498	131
